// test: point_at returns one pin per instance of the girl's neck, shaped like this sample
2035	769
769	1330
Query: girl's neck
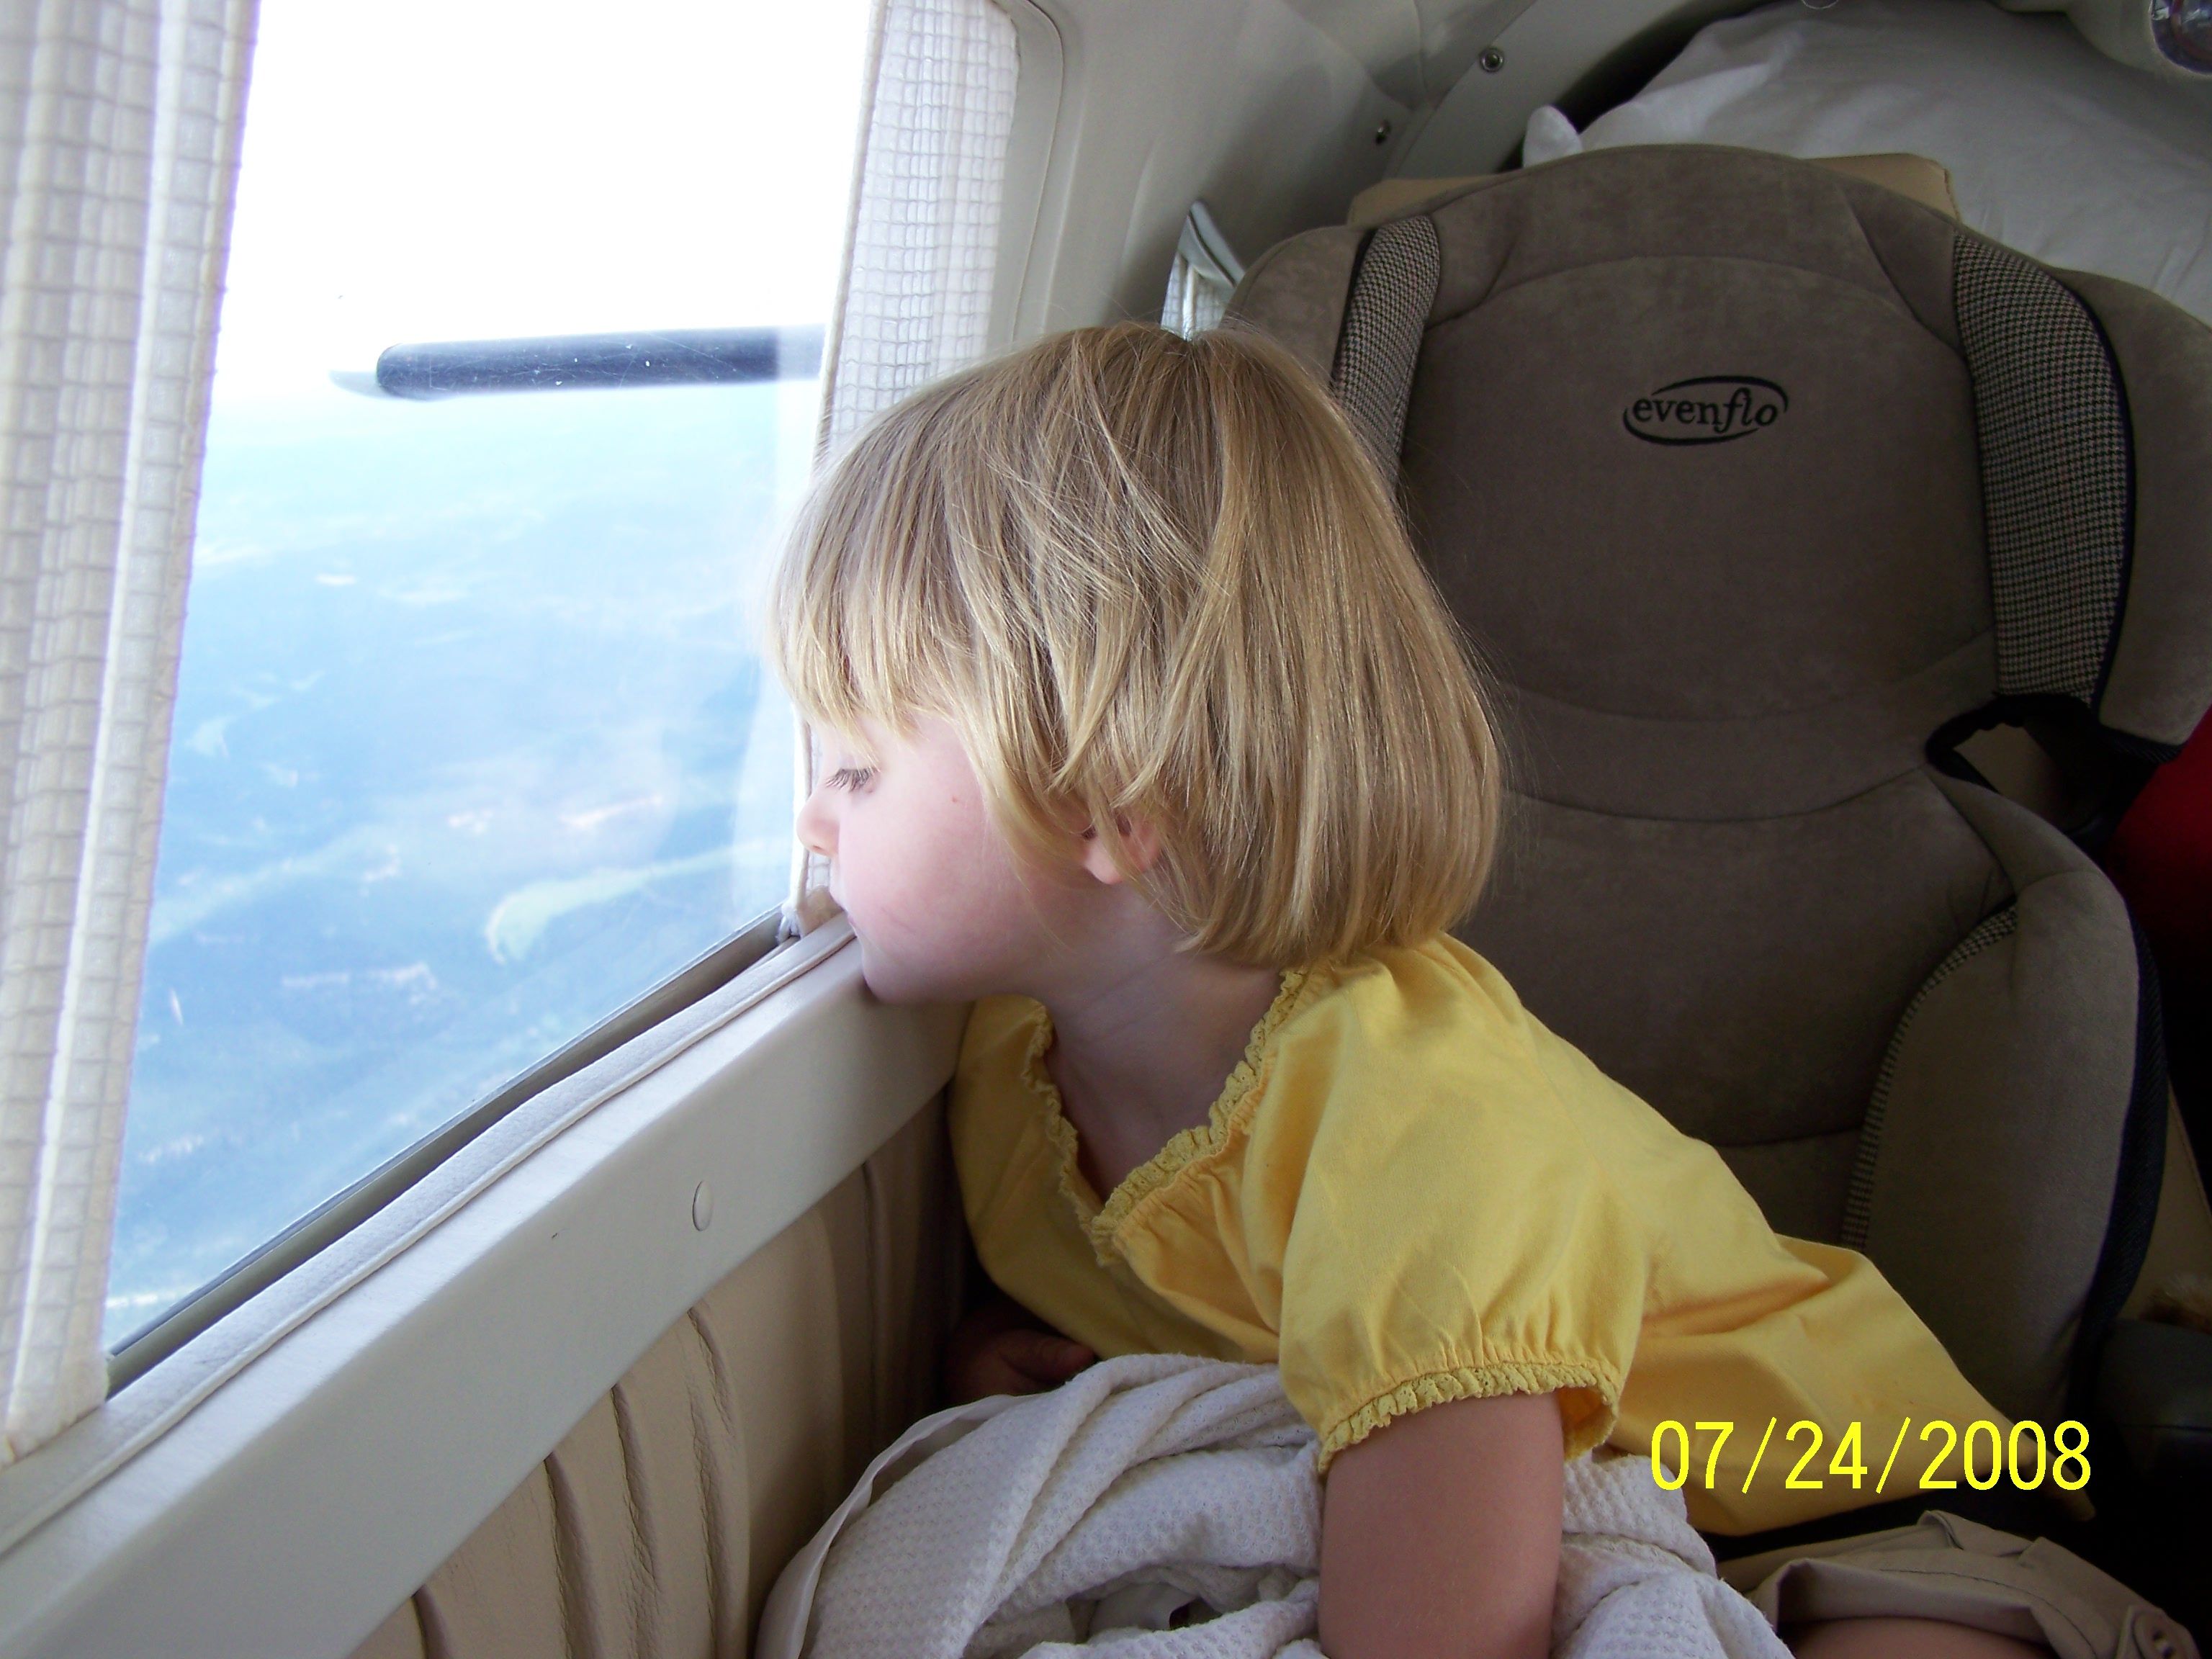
1144	1038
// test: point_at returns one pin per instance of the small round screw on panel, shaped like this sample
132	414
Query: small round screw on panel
702	1206
1492	60
1382	133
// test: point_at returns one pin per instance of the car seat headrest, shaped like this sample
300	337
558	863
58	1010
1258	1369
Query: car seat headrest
1580	346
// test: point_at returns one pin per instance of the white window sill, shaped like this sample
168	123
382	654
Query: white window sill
283	1480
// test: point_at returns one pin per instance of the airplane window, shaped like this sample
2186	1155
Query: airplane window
471	746
1205	273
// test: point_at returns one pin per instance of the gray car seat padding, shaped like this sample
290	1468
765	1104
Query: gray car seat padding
1731	870
1994	1105
1858	1202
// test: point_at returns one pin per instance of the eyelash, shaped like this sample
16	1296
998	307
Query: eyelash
851	777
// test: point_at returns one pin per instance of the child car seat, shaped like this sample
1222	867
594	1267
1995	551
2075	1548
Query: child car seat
1759	487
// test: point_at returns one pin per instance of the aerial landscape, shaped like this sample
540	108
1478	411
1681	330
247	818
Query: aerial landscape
471	746
470	749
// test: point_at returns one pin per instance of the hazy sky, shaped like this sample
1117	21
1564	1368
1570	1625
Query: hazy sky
472	169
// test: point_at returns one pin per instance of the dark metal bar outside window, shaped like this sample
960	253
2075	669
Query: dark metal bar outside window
698	356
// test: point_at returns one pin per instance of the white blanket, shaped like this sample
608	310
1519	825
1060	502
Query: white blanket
2053	148
1165	1507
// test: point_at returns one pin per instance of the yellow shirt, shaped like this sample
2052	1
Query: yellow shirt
1411	1192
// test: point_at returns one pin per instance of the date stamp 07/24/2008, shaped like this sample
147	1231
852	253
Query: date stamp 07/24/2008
1985	1454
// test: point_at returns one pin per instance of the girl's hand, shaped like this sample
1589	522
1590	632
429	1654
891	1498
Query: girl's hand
1440	1535
999	1348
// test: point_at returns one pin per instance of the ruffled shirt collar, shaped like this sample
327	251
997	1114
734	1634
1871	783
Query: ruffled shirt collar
1186	1149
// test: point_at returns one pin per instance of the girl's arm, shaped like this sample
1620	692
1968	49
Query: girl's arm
1440	1535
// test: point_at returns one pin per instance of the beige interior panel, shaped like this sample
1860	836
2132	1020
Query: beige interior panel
920	1245
1926	182
502	1588
2181	1236
399	1636
655	1528
780	1329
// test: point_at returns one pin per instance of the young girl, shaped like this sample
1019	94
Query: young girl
1147	734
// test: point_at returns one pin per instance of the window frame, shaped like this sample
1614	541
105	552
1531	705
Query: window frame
316	1453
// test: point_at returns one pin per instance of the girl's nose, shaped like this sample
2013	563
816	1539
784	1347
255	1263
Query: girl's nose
817	829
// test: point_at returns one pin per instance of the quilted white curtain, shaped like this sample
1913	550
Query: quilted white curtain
915	300
922	246
118	141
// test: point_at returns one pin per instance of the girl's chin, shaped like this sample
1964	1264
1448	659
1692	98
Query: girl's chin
890	982
905	984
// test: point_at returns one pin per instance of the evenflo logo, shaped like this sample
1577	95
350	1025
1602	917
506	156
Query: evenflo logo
1713	409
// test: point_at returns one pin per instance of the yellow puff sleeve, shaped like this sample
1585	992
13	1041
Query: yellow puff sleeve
1476	1208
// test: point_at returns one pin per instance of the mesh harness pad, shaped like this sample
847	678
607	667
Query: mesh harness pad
2056	471
1392	292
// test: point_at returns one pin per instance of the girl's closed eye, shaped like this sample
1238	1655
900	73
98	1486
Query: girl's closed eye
852	777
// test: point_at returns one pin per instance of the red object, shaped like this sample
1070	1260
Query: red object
2160	858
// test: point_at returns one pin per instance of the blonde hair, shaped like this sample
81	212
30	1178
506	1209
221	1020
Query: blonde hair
1140	573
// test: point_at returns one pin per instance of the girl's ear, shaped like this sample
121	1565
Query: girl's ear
1140	840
